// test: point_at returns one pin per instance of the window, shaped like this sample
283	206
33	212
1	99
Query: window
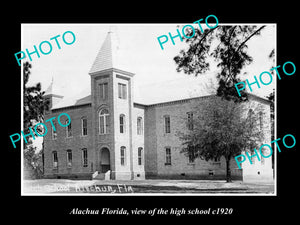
55	160
217	160
168	156
122	124
250	118
84	126
84	157
261	120
123	155
167	124
191	154
122	91
54	134
103	121
69	158
68	129
103	91
190	124
140	156
139	125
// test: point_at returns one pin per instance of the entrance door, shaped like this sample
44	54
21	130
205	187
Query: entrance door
104	160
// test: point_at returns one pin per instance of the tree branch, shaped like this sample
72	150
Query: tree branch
244	42
229	65
248	38
211	30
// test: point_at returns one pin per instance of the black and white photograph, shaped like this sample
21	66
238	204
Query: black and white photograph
149	109
117	119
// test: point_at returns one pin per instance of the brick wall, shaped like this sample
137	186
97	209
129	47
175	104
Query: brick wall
156	141
62	143
150	142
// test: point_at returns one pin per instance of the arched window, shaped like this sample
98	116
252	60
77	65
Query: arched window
123	155
140	156
83	126
122	124
103	121
139	125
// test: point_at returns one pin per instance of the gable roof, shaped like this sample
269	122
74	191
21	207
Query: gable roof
82	98
172	90
52	90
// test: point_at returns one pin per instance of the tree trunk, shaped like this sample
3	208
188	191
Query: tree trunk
228	171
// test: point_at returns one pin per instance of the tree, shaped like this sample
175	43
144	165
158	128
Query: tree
230	53
33	108
222	129
34	104
271	97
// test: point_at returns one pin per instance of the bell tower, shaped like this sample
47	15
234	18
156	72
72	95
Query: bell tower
112	105
51	95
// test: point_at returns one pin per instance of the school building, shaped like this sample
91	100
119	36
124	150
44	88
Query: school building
112	136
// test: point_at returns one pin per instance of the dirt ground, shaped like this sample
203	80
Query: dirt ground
140	187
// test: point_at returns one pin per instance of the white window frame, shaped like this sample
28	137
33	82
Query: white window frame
123	124
140	156
123	156
55	159
105	118
103	91
69	159
139	125
122	91
69	129
168	156
54	133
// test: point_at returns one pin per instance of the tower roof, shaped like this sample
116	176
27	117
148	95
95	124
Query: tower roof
52	90
111	55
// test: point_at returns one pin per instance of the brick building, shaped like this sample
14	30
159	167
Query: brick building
113	136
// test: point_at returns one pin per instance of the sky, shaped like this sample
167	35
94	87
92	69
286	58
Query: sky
69	66
154	68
